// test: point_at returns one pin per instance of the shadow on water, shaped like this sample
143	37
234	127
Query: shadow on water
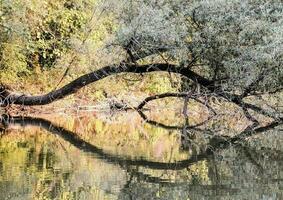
231	167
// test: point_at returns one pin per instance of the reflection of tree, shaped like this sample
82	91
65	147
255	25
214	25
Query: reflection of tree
216	143
73	138
187	132
139	170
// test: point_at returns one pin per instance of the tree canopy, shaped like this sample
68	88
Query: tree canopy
239	42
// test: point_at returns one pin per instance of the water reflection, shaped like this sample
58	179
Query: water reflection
46	160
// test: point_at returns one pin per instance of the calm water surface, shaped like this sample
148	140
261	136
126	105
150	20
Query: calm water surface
91	157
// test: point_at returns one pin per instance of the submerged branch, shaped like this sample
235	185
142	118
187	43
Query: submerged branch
187	96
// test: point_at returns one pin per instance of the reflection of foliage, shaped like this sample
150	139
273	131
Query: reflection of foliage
38	166
133	139
32	154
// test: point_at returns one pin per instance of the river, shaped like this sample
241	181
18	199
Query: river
120	156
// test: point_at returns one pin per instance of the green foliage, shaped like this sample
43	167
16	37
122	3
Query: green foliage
35	35
51	36
13	63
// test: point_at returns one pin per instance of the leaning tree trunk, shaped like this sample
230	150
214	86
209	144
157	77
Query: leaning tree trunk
8	97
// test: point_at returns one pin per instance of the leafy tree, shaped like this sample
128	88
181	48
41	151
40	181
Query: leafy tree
238	42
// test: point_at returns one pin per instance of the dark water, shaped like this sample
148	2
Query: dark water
87	157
